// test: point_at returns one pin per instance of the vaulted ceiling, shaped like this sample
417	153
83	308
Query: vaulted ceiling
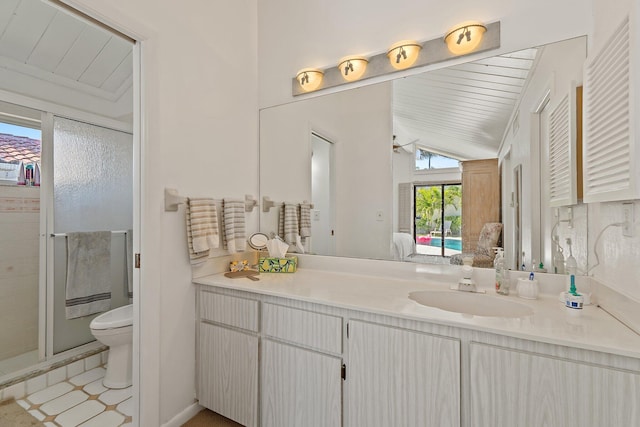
461	111
42	43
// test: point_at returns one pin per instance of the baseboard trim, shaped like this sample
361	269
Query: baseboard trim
184	416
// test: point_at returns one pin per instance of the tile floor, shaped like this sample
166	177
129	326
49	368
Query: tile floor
81	400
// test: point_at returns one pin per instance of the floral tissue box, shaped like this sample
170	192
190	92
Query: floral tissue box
278	265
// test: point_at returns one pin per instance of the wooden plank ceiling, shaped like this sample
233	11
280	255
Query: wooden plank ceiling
47	43
461	111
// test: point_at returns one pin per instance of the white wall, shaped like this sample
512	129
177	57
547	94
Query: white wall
297	34
201	126
359	124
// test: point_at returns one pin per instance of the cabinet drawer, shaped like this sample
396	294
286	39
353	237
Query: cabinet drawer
319	331
233	311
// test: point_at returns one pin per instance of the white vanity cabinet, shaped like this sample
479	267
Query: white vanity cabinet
515	388
398	377
301	368
228	356
272	361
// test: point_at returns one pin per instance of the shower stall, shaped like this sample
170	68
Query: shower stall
86	185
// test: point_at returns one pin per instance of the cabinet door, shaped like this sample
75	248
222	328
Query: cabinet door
397	377
299	387
228	373
512	388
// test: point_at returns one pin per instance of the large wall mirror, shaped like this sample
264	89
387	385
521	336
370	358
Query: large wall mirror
382	164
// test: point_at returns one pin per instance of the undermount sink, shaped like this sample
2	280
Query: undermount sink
471	303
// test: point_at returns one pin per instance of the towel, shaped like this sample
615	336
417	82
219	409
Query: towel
204	224
281	221
194	256
88	289
128	251
290	219
305	221
234	232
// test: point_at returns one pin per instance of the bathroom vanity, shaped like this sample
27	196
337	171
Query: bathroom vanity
320	348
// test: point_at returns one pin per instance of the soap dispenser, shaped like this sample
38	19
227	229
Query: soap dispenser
502	275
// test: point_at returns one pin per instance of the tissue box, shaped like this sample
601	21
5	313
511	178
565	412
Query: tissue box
278	265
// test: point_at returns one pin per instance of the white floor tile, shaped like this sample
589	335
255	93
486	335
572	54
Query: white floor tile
64	402
57	375
49	393
87	377
105	419
75	368
113	396
23	403
79	414
36	384
95	387
92	362
37	415
50	425
126	407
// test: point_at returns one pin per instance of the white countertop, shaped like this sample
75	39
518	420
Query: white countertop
594	329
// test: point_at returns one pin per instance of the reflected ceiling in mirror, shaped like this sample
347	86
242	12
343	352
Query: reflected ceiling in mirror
467	111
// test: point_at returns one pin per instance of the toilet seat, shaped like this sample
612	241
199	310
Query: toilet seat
116	318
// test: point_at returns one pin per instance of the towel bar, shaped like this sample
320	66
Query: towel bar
65	234
172	200
267	203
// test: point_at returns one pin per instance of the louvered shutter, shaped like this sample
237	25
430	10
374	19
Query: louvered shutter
562	157
610	158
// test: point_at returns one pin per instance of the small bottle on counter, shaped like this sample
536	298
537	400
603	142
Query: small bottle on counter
574	301
502	276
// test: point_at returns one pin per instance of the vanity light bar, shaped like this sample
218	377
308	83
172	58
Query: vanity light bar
430	52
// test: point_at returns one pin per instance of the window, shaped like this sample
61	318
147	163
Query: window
428	160
18	144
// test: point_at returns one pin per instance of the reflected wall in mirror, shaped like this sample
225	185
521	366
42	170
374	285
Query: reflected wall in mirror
381	136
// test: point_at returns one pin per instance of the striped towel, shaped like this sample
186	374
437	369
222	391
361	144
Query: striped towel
88	287
281	221
204	224
305	221
194	257
234	231
290	219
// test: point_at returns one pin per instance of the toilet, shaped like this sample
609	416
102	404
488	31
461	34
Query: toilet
115	329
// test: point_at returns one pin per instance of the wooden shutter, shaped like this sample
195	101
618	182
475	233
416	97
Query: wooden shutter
608	150
562	157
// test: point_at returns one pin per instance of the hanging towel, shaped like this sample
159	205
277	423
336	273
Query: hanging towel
88	289
305	221
281	221
128	250
234	232
290	223
204	224
194	257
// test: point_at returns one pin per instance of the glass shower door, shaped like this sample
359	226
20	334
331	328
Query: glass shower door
92	191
